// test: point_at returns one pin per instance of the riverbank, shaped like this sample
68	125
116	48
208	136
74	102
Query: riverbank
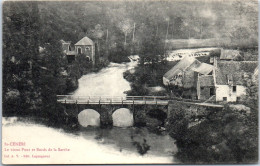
228	135
145	77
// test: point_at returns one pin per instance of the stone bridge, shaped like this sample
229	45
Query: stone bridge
143	110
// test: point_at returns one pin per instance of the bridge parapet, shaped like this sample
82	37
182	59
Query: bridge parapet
134	100
71	99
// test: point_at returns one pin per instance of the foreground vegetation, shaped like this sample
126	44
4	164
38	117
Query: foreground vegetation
224	136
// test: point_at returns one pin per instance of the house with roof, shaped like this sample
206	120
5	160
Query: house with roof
230	79
229	55
185	73
222	79
68	50
205	87
66	46
175	76
85	46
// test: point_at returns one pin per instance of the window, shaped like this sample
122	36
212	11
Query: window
202	88
224	98
238	98
234	88
211	91
211	60
79	51
87	48
88	58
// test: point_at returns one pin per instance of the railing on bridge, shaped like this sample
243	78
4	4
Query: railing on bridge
138	100
70	99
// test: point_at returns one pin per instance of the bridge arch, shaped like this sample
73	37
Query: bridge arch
158	114
123	117
89	117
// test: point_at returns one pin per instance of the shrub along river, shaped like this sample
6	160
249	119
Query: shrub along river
91	144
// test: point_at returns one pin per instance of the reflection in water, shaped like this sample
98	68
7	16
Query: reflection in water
90	145
142	148
138	140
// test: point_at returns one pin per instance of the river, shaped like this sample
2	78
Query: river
93	144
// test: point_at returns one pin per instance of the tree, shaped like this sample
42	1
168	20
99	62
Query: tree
152	48
21	44
126	27
98	33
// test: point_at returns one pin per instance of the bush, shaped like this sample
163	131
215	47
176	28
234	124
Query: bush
119	54
225	136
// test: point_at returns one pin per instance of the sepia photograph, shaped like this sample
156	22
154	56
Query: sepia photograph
130	82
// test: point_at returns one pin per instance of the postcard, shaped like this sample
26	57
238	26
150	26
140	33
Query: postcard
130	82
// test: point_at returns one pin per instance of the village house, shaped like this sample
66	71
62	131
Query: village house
66	46
85	46
223	79
229	55
231	79
205	87
185	73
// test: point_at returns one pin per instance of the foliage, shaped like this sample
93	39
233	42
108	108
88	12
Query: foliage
20	56
215	52
249	54
32	80
151	50
112	24
145	76
224	136
119	54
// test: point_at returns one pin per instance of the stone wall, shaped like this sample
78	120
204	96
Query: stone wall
142	114
189	111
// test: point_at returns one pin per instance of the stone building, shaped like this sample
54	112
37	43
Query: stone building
205	87
85	47
66	46
185	73
231	79
222	79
